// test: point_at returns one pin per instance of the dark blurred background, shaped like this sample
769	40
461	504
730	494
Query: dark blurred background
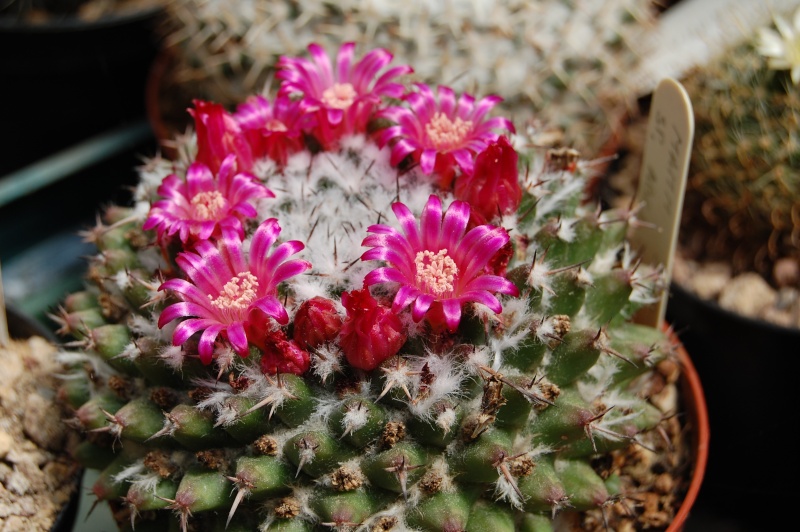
73	130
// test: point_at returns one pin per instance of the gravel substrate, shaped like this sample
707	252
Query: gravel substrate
37	475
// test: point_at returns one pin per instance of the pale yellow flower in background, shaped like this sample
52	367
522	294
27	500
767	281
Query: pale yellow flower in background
782	47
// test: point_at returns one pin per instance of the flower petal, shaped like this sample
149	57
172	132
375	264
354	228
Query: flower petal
273	308
454	225
485	298
238	338
186	329
430	223
408	224
384	275
205	346
405	296
420	306
451	308
427	160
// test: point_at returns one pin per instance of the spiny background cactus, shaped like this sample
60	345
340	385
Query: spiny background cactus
743	198
563	62
363	304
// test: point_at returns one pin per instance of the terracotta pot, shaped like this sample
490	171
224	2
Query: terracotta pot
695	408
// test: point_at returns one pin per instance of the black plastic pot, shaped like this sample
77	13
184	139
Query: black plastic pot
66	80
750	371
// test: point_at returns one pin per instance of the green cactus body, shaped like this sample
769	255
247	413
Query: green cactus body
503	420
573	76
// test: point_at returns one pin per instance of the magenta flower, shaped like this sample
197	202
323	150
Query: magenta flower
345	98
441	135
438	266
274	130
225	290
202	206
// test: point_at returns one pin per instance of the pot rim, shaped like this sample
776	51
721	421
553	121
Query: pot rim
67	24
737	319
697	409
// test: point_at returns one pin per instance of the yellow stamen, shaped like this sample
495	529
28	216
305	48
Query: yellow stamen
276	125
436	273
339	96
208	205
446	134
238	293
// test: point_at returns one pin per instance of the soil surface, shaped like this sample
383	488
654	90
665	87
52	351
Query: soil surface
37	475
746	294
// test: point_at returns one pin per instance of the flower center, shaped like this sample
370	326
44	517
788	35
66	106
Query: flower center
276	125
208	205
339	96
436	272
237	293
446	134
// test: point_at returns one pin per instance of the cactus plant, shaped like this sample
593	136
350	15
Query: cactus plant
564	62
363	303
742	203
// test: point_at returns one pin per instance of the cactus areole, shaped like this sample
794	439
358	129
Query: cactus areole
318	330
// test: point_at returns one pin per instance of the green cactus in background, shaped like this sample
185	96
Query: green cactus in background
564	63
419	325
743	199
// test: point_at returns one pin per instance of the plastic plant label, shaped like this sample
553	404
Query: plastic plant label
662	183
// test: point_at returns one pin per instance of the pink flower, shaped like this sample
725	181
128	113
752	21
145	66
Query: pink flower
438	266
346	97
493	188
441	135
274	130
226	290
218	135
316	322
202	206
371	332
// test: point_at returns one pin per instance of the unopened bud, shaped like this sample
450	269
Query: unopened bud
316	323
371	332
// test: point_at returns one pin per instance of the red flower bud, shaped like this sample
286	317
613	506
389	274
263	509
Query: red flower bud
282	355
371	332
279	354
498	264
493	188
317	322
218	134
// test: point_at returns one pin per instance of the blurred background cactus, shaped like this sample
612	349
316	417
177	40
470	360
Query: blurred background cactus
742	205
739	232
563	62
